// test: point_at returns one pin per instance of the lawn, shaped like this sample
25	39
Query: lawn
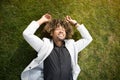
99	61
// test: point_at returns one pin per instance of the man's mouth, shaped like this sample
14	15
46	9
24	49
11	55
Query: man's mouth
60	35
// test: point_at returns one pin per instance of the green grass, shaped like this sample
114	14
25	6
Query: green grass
99	61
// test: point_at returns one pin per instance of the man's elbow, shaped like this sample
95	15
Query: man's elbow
90	39
24	34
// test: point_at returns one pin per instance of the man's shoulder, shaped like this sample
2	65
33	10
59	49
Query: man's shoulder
69	40
46	39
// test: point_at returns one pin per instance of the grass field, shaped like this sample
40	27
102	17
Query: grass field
99	61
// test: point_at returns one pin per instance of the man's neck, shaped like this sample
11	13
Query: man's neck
58	43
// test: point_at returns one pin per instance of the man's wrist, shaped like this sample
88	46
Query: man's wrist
77	24
40	21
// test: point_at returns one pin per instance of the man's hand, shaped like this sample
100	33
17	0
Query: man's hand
70	20
45	18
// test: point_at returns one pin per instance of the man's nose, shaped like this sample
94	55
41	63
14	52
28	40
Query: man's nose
62	30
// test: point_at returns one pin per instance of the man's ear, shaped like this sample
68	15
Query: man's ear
51	34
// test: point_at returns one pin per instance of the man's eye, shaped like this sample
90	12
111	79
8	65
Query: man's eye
57	29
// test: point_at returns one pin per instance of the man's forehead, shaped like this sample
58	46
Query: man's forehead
60	27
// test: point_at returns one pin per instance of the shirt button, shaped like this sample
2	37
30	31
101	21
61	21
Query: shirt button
29	67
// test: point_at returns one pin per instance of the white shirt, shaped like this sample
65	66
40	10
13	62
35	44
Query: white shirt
34	71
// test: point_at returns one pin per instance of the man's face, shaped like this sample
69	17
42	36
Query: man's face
59	33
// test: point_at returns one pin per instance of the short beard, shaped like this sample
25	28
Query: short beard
60	39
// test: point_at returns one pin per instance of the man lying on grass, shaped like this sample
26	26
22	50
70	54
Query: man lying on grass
57	53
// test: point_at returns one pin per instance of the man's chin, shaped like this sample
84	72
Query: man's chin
61	39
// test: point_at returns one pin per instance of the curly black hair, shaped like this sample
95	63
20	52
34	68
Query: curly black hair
54	23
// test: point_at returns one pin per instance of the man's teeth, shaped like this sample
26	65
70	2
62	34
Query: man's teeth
60	35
